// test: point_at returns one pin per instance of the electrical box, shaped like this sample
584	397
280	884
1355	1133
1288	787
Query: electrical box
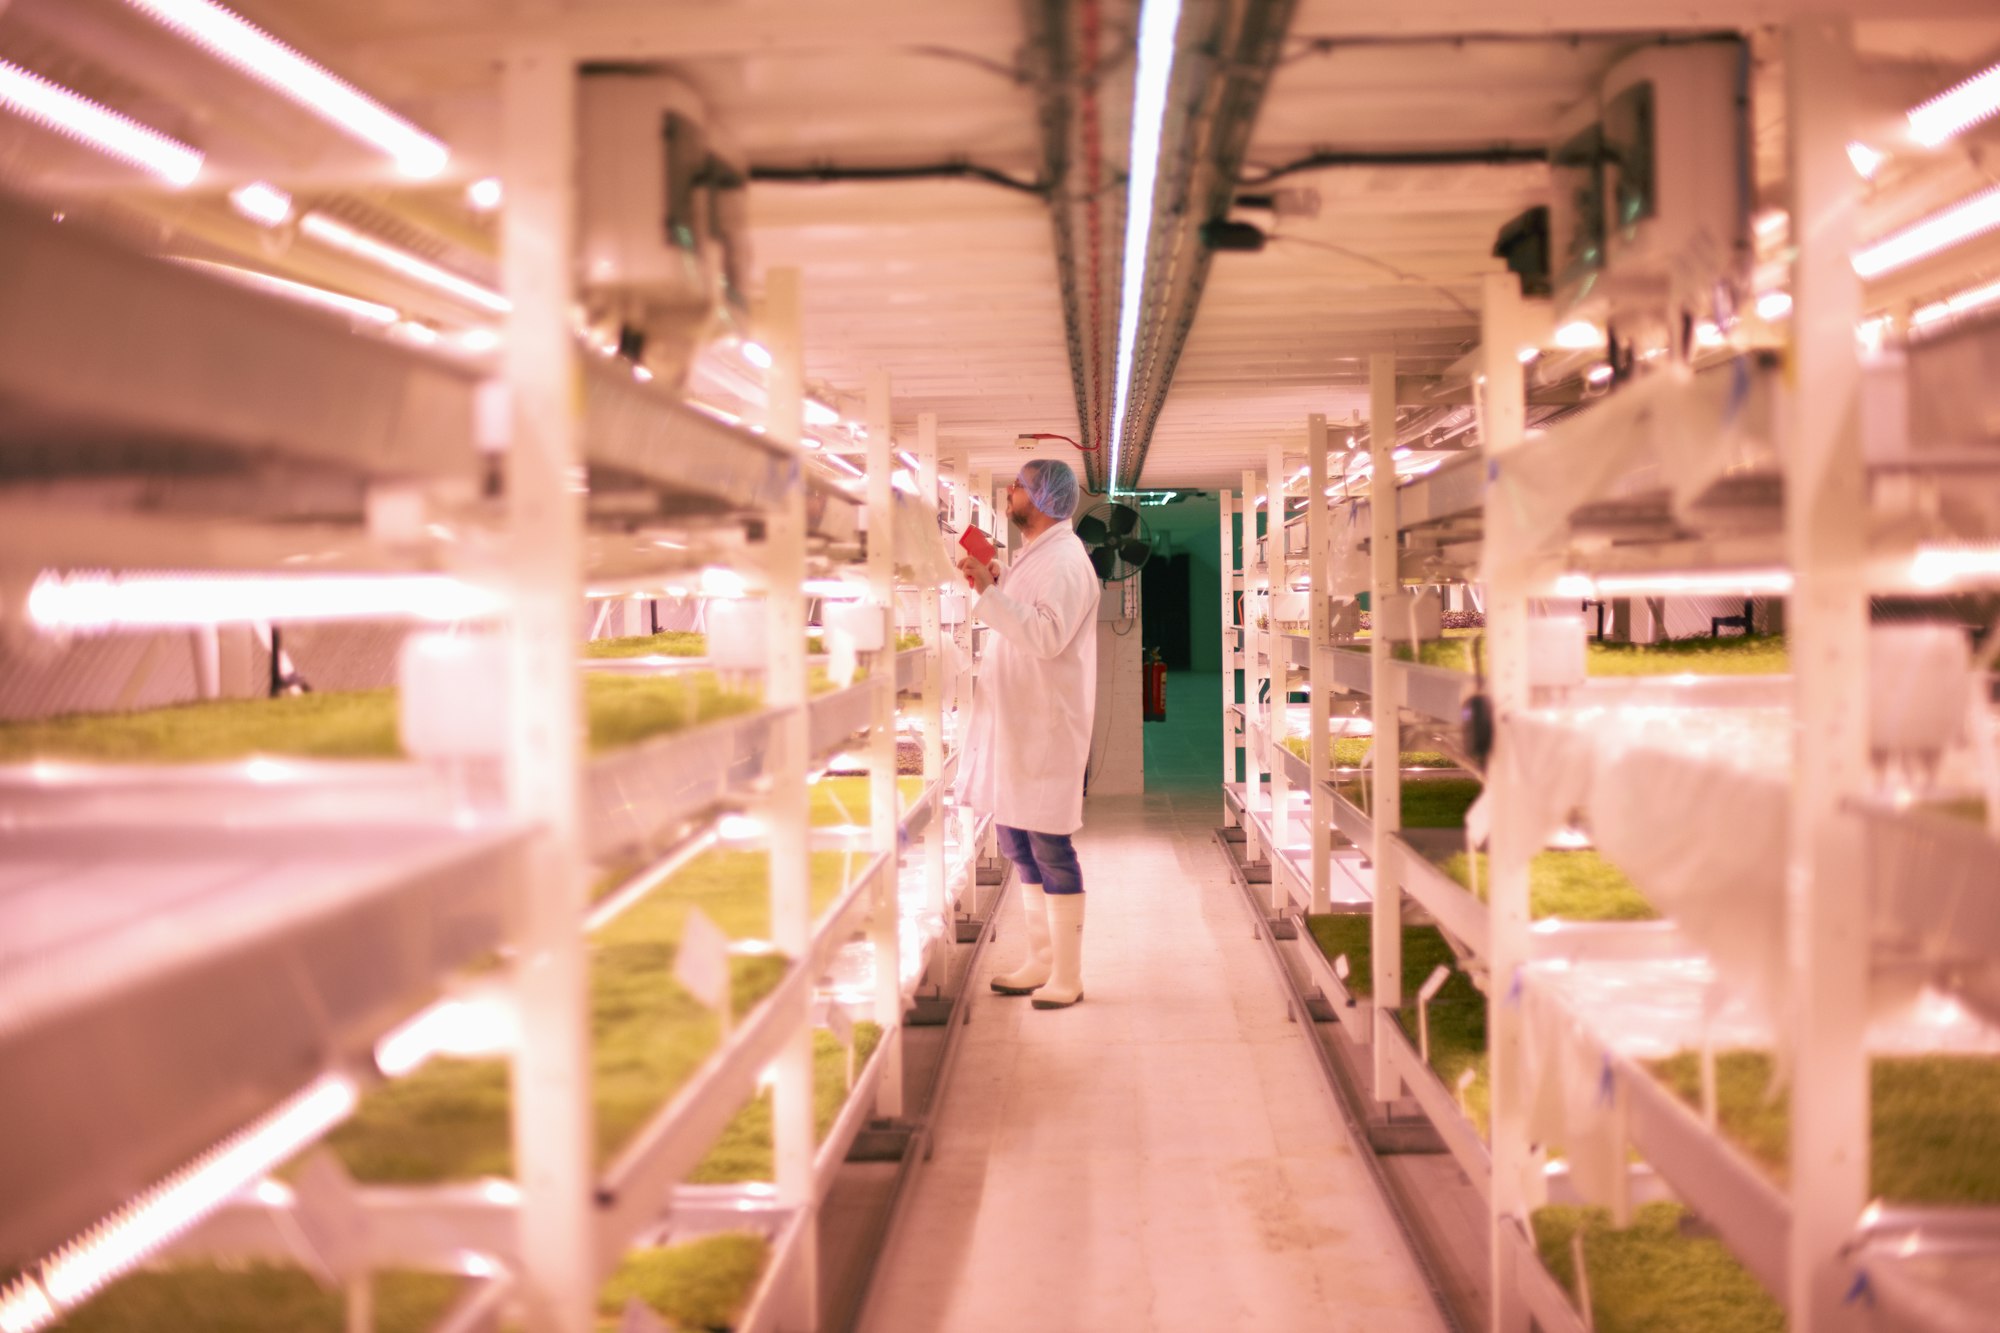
660	218
1650	216
1120	600
1677	169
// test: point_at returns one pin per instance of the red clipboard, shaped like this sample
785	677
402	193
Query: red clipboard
978	547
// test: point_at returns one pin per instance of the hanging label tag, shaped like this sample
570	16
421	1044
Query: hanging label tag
702	962
332	1220
1340	967
841	658
1434	983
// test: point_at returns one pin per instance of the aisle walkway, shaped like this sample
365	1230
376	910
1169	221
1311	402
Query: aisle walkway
1163	1156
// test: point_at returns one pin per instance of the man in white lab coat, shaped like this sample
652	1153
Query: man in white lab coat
1028	738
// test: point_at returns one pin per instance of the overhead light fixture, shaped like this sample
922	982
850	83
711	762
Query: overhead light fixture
1159	23
262	203
85	603
1865	159
478	340
75	116
907	459
904	482
371	312
1771	225
817	413
1579	335
1956	110
1527	354
757	355
485	194
1599	374
844	465
232	39
1940	231
1972	298
1774	305
340	236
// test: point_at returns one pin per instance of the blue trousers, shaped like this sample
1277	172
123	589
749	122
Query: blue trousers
1046	859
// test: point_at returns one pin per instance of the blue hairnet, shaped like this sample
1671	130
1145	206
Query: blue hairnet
1051	486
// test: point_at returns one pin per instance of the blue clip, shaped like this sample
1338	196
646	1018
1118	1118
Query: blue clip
1514	990
1607	1086
1862	1290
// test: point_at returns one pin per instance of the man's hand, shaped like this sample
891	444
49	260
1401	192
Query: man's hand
981	577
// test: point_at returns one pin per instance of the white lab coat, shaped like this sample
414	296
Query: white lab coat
1028	739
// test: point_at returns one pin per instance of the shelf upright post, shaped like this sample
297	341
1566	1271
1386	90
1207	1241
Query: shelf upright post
1253	763
1503	425
1319	545
933	705
1385	703
1279	657
1231	737
788	811
1827	624
551	1070
885	926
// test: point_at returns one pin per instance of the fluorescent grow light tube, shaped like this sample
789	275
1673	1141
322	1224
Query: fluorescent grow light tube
262	203
1940	231
1956	110
97	602
340	236
1159	22
75	116
284	71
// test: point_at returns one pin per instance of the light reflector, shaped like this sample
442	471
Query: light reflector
284	71
74	116
329	231
262	203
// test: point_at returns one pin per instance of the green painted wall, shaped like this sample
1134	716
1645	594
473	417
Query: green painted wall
1192	526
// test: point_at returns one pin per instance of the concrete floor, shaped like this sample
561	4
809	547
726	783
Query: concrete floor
1164	1155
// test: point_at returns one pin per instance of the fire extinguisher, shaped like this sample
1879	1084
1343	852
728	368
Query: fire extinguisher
1156	686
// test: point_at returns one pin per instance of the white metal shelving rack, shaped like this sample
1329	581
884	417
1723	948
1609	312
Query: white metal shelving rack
1847	854
471	859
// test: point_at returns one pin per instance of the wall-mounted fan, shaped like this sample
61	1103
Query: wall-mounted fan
1117	539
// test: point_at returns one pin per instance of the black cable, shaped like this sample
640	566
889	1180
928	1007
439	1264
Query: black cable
1385	266
825	173
1484	155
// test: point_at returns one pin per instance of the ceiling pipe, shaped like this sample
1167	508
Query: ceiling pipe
1486	155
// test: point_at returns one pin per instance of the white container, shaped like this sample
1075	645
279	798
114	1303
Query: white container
450	688
736	633
860	621
1919	682
1557	653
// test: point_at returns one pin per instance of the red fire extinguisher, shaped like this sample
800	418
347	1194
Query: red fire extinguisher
1156	687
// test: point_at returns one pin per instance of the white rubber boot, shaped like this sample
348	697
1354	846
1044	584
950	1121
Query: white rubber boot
1065	984
1035	970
